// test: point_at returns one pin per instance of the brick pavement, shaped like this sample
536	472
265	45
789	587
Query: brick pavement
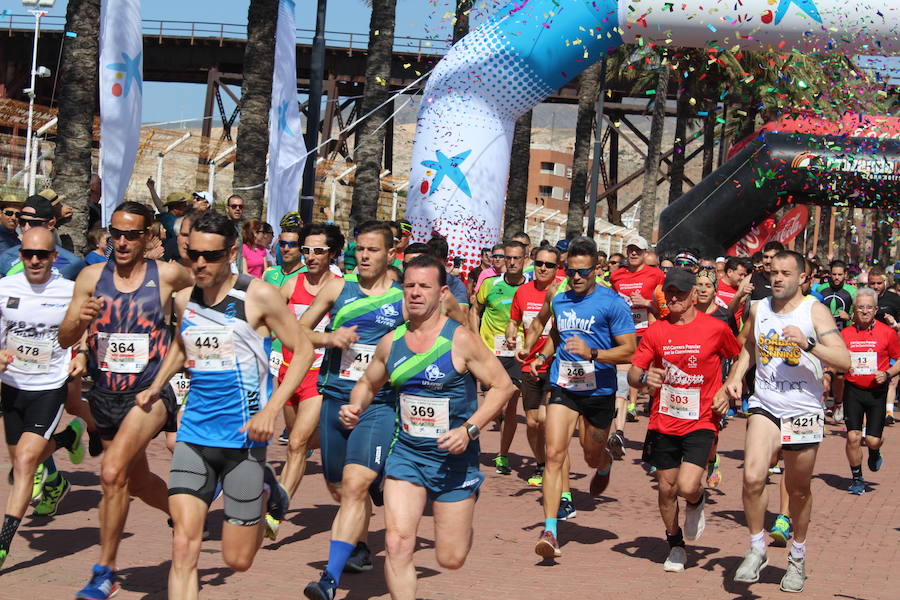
614	547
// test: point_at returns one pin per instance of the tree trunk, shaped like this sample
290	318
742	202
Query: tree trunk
588	87
651	164
369	149
256	99
682	115
461	25
613	215
77	104
517	185
709	137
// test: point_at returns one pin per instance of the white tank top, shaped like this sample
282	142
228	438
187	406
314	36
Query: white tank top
788	381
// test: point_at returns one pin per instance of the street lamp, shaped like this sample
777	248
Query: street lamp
35	72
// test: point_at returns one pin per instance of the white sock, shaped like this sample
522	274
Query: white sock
757	542
798	549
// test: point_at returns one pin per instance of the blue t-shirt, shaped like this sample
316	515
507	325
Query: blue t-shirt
8	239
68	265
458	289
92	258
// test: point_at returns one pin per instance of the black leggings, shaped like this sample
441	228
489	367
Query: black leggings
861	403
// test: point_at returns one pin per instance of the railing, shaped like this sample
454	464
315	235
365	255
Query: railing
222	32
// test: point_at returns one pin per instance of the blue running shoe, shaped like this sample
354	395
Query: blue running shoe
857	487
279	501
102	585
875	460
566	510
323	589
781	531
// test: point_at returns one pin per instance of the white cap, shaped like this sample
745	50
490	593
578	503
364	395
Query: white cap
638	242
204	195
721	259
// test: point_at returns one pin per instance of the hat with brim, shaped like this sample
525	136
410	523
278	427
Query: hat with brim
176	198
43	208
204	196
11	199
638	242
52	196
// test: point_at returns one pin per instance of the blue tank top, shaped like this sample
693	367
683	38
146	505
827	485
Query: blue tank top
434	397
131	334
375	317
228	362
595	318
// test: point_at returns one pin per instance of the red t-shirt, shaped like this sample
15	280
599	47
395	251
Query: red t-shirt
643	281
870	350
692	356
526	305
726	294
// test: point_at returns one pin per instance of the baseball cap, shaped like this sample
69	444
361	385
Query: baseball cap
52	196
204	195
562	245
638	242
175	198
43	209
681	279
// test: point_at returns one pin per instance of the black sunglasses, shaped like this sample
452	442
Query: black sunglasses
41	254
32	222
288	244
209	256
542	263
583	273
498	256
236	206
11	213
128	234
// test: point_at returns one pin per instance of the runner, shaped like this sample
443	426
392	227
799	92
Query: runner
873	346
362	310
34	370
595	332
432	362
761	279
788	337
838	297
225	322
38	212
455	304
497	268
736	270
124	306
492	303
680	358
889	314
320	245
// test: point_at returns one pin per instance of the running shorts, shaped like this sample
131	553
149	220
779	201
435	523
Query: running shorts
756	410
109	409
36	412
860	403
309	387
451	480
534	390
599	411
367	444
665	451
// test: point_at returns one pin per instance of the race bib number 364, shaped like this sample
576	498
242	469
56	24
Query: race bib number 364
123	352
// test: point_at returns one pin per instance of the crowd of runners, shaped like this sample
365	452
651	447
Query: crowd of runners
382	355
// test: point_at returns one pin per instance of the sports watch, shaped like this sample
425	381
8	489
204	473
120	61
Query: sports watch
472	431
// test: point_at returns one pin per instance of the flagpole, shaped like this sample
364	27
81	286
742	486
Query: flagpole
316	75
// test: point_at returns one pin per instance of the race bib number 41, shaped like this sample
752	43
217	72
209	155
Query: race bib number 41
209	348
123	352
577	375
424	417
355	360
30	355
803	429
681	403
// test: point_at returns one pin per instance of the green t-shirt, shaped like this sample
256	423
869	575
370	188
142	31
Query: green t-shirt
276	277
496	295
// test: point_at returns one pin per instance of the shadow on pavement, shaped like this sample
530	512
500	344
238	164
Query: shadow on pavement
656	550
742	591
312	521
152	581
56	543
841	483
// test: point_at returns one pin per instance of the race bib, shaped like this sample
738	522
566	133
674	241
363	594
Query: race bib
529	315
209	348
863	363
577	375
681	403
500	348
123	352
355	360
181	385
29	354
424	417
803	429
640	317
276	358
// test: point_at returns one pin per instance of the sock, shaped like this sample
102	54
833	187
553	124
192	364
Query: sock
338	553
10	524
550	525
65	438
798	549
631	406
856	472
675	539
566	495
605	471
621	433
50	466
889	408
758	543
874	453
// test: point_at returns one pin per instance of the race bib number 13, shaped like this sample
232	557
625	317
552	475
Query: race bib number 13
863	363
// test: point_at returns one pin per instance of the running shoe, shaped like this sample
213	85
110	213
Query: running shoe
857	487
631	413
694	519
547	546
566	510
838	415
889	419
600	481
676	559
875	460
323	589
95	444
781	531
53	494
3	555
501	463
102	585
37	488
776	470
284	437
730	414
753	563
279	501
76	454
616	445
713	473
795	576
537	478
651	471
272	525
360	559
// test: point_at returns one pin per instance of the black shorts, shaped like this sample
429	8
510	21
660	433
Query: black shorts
512	368
197	469
665	451
534	390
35	412
756	410
861	403
599	411
109	409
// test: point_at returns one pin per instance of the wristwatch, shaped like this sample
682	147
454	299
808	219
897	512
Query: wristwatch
541	355
810	343
593	354
643	378
472	431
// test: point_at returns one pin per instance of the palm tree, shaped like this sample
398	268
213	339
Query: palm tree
588	87
461	24
370	133
256	99
651	164
75	129
517	184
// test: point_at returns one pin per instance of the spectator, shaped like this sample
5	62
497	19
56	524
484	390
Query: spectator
97	239
10	208
254	251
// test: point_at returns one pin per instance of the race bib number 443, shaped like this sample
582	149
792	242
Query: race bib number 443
123	352
803	429
424	417
209	348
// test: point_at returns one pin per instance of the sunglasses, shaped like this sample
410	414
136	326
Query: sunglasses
40	254
236	206
583	273
498	256
288	244
12	213
317	250
209	256
128	234
684	263
541	263
614	262
32	222
665	269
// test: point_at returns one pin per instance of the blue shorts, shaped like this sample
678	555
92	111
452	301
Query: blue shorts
451	479
367	444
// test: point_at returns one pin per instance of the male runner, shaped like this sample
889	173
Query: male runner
34	370
362	308
761	285
456	303
873	345
492	303
889	314
124	306
838	297
432	362
680	358
789	337
225	321
595	332
736	269
38	212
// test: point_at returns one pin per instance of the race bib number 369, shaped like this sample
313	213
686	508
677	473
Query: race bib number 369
424	417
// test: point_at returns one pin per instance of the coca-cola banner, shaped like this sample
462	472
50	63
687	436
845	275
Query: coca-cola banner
791	224
789	227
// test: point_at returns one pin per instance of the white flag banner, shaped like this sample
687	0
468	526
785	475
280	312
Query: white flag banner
121	97
287	150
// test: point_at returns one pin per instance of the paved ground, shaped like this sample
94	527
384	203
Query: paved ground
615	545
